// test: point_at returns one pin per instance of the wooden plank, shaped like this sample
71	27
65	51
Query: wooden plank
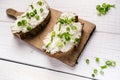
103	45
22	72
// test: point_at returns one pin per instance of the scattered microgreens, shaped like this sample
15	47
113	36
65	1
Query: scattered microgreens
103	67
97	59
110	63
107	63
93	75
103	9
101	72
95	71
87	61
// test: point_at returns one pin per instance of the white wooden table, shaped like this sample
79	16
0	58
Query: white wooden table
20	61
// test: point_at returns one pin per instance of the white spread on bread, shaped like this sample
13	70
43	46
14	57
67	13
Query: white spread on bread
66	33
34	15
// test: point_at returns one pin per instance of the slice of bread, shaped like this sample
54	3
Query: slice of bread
65	36
30	23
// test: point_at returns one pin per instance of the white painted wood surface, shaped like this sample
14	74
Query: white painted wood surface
105	42
22	72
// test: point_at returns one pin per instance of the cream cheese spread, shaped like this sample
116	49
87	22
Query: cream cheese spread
34	15
66	33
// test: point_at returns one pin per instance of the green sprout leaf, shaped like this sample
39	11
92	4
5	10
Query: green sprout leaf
97	59
87	61
104	8
39	3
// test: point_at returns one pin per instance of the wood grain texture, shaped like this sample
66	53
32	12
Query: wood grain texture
37	41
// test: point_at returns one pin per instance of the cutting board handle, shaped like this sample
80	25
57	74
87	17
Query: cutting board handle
13	13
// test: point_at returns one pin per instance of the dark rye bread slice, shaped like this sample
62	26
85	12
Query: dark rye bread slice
34	31
69	52
88	29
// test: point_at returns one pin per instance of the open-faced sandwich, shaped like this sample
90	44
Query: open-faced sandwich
65	36
30	23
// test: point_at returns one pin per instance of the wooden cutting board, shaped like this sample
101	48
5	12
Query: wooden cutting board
37	41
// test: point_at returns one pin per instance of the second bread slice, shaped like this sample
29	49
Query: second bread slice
32	21
65	36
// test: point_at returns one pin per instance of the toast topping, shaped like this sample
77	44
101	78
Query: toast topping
66	34
34	15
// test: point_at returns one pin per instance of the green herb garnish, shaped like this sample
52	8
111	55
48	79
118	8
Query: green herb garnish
97	59
19	23
65	35
93	75
103	9
22	23
23	16
29	28
60	20
48	44
113	63
67	29
76	40
87	61
109	63
103	67
32	6
53	35
95	71
41	10
60	44
39	3
35	11
32	14
59	27
28	15
37	17
74	27
65	20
